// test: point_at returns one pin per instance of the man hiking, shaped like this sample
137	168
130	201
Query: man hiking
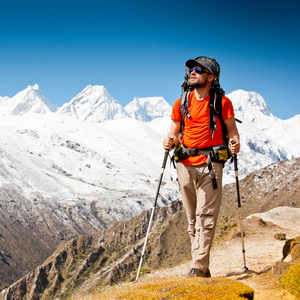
199	164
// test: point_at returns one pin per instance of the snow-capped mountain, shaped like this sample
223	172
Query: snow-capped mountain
94	104
250	106
147	109
270	130
92	163
30	100
265	138
62	177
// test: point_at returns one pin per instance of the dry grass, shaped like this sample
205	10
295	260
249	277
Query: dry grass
291	280
176	289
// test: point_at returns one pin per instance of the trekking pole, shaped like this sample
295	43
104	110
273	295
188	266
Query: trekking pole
234	156
153	208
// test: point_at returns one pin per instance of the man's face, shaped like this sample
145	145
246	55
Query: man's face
199	80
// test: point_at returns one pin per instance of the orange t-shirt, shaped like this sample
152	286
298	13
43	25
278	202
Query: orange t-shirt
196	132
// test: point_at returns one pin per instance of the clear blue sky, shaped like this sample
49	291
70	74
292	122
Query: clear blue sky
138	48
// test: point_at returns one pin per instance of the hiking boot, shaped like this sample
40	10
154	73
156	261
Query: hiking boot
207	274
195	273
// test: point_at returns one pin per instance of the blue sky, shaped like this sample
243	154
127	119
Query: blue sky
139	48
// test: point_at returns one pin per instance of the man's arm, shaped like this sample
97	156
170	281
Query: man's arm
172	139
233	134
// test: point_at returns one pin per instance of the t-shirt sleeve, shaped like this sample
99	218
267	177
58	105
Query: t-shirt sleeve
227	108
176	116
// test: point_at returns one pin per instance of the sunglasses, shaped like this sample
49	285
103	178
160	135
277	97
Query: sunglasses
198	70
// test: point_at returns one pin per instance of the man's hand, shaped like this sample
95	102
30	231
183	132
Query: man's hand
172	140
233	135
168	143
234	146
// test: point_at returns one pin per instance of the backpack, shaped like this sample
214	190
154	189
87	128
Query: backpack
218	153
215	103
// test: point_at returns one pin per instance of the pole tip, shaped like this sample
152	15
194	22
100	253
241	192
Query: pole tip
245	269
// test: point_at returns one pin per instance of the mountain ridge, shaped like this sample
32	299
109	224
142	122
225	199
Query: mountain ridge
30	100
148	109
93	104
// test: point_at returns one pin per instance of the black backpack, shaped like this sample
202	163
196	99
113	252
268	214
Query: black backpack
219	153
215	102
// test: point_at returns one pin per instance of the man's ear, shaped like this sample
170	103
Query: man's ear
211	78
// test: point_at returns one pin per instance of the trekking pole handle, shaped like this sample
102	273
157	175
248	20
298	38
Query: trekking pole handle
235	162
166	156
234	156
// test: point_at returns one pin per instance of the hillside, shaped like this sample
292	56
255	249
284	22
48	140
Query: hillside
112	255
79	169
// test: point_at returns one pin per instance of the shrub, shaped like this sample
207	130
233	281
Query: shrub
179	289
291	280
280	236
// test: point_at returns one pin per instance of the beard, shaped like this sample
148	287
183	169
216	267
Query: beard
198	84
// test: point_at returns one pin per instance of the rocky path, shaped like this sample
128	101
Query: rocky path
262	251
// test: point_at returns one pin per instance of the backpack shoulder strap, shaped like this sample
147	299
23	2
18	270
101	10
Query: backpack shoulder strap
215	106
184	107
219	115
212	112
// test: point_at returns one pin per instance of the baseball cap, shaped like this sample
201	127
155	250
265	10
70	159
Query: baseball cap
206	62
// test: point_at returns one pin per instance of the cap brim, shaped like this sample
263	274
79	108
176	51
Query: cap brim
191	63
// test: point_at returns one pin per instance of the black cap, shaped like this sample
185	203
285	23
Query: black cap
206	62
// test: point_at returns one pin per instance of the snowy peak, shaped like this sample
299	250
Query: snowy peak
94	104
250	106
261	127
148	109
30	100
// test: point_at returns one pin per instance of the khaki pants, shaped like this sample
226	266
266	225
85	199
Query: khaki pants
202	204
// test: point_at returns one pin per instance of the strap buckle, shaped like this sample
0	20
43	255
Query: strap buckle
193	151
185	112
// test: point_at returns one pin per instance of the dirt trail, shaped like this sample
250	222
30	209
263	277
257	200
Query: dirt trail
262	251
